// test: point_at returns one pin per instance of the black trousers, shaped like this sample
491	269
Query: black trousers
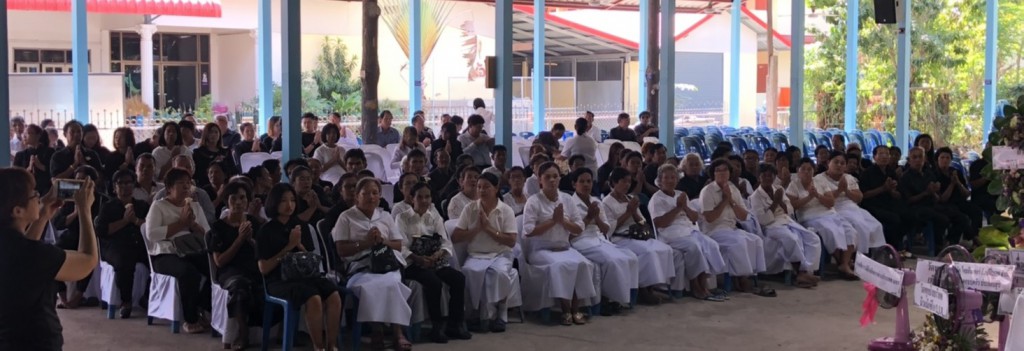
245	295
432	282
124	259
896	221
974	213
945	219
190	272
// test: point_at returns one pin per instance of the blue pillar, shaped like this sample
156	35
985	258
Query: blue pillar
5	96
641	102
80	60
903	74
667	78
852	74
539	98
415	57
796	78
264	69
991	49
291	79
503	91
734	63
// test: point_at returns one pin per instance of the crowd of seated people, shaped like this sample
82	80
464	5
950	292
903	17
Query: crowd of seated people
641	220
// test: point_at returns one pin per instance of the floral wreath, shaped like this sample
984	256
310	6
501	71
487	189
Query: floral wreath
1008	185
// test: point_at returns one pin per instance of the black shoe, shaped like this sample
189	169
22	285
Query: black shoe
126	310
458	332
437	336
477	326
497	326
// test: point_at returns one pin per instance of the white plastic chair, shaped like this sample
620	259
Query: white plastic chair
164	302
602	153
632	145
376	164
524	155
276	155
654	140
388	192
252	159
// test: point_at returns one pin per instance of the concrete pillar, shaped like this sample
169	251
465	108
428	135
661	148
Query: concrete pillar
291	79
146	32
264	66
644	62
539	97
852	71
666	82
903	74
5	96
734	62
415	57
80	60
503	91
991	80
796	79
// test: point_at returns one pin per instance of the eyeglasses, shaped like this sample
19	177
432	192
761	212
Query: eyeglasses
34	196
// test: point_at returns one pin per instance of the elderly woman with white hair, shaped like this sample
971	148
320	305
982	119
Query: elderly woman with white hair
723	208
791	242
696	255
843	187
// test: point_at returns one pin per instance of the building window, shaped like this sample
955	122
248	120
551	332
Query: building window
181	67
593	71
43	60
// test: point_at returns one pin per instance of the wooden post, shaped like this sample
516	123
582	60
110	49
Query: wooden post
653	31
370	74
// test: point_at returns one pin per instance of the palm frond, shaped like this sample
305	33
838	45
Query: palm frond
434	20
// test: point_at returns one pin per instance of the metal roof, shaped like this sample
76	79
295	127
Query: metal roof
564	37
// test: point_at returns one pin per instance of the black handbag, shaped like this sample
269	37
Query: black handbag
428	245
300	265
383	259
640	231
189	244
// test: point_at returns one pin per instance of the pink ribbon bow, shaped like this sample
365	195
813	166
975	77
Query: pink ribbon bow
870	305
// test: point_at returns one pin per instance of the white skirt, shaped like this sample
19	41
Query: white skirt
618	268
489	280
869	229
654	258
568	273
835	233
793	243
743	251
694	254
382	297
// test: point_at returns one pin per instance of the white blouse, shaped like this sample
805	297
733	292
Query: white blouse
500	218
328	155
413	225
812	209
456	204
660	204
161	215
162	156
832	185
354	225
761	201
592	235
612	210
516	206
532	185
400	207
539	209
711	196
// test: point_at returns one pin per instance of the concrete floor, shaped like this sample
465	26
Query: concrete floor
825	318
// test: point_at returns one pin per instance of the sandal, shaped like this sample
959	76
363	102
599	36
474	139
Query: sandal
579	319
764	292
712	298
402	344
720	293
567	319
804	284
193	328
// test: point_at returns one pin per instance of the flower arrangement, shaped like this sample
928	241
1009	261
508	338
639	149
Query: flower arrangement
929	338
1008	130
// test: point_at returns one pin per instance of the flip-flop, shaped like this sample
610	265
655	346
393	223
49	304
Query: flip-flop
765	292
719	292
805	284
713	298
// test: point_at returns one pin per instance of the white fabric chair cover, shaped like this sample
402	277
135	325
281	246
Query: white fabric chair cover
252	159
164	302
387	191
632	145
535	290
108	290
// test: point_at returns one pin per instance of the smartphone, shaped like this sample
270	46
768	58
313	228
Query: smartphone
66	188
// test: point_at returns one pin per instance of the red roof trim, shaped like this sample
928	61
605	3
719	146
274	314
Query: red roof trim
694	27
761	23
580	27
190	8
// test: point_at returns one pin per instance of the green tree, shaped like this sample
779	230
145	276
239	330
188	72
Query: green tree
333	71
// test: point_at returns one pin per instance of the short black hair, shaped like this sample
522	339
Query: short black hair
874	151
186	124
417	152
497	148
233	187
274	199
577	157
174	175
558	126
163	142
71	123
357	153
944	150
623	116
89	171
805	160
272	165
765	167
122	174
309	115
475	120
772	149
295	162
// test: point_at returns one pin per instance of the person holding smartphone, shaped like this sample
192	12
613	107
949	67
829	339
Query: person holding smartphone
28	316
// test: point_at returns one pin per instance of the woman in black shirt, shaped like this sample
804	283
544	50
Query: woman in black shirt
285	234
123	156
36	156
210	150
247	144
119	229
234	254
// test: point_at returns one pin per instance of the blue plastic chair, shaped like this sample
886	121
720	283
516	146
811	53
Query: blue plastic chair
291	320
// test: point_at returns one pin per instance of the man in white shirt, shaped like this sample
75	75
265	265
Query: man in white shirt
592	130
480	109
17	128
583	144
477	144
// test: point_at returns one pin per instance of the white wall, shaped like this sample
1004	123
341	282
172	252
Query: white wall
52	30
713	36
233	67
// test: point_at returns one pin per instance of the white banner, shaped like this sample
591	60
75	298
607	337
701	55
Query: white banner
926	269
932	299
885	278
1007	157
986	277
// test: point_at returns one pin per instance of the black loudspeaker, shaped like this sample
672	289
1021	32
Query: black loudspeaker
491	66
885	11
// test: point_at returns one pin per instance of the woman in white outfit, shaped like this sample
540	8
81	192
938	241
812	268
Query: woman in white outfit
516	196
490	228
723	207
550	222
467	182
814	210
618	266
843	187
785	238
677	227
170	146
382	296
655	258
